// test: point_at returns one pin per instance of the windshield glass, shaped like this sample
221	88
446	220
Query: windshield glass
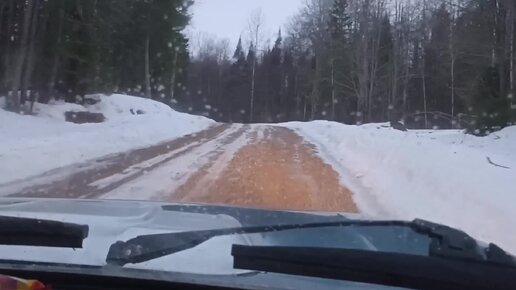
348	109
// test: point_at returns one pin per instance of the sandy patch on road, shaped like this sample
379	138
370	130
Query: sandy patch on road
279	171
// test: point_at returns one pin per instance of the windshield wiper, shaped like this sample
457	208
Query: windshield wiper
148	247
446	241
389	269
42	233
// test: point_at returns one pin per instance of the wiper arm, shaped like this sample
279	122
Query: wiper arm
446	242
148	247
41	233
389	269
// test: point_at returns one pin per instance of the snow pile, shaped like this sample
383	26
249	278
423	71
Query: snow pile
443	176
32	145
116	107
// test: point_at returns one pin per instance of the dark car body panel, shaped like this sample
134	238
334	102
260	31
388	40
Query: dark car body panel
161	215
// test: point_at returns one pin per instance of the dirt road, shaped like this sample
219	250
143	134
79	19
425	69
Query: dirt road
247	165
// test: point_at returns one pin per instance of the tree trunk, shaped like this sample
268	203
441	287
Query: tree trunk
406	63
423	64
251	102
57	55
255	24
96	66
3	53
452	66
173	77
395	78
13	102
364	63
393	110
373	69
363	83
147	67
314	97
406	82
313	102
512	57
304	108
297	113
2	7
8	46
423	78
511	33
333	93
29	65
500	43
494	56
452	72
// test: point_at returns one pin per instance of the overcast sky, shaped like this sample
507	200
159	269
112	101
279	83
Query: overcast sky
228	18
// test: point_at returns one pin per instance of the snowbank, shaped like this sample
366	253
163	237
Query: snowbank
443	176
32	145
117	107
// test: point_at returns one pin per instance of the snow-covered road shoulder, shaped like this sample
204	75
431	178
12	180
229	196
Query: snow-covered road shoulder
444	176
35	144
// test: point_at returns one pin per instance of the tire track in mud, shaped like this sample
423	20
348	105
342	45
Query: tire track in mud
157	184
203	179
78	181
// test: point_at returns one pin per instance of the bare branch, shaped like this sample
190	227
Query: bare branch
496	165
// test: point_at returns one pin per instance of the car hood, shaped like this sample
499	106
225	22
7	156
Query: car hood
112	221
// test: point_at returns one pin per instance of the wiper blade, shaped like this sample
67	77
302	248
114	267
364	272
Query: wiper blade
148	247
389	269
448	242
445	241
42	233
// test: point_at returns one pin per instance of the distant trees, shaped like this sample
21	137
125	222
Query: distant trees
66	48
431	63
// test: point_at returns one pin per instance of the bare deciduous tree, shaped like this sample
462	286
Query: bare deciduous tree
255	30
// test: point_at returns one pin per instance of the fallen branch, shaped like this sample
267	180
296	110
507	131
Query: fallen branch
497	165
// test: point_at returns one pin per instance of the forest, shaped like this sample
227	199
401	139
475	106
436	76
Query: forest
429	63
446	64
64	49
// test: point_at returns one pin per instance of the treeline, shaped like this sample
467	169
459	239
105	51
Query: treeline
430	63
64	49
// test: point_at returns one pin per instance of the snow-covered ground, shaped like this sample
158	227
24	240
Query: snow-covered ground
32	145
443	176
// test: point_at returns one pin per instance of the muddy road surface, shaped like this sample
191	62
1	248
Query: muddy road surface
245	165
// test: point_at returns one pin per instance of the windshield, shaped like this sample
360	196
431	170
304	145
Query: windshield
362	109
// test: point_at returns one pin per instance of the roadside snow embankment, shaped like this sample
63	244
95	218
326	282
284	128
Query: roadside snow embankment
443	176
32	145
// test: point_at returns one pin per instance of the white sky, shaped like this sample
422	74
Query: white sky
228	18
